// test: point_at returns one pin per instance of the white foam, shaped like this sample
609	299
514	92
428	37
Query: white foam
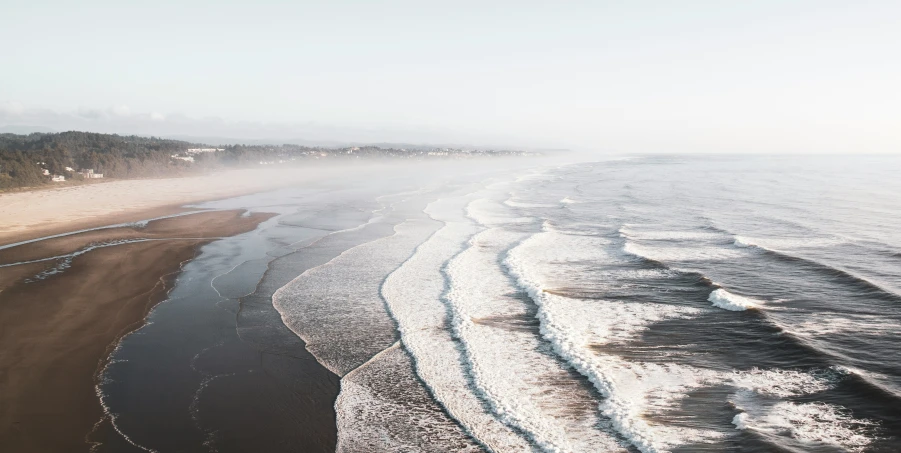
524	386
567	200
579	328
785	383
807	424
573	326
381	403
336	309
732	302
580	229
658	235
414	293
490	212
677	254
536	175
788	243
823	323
519	204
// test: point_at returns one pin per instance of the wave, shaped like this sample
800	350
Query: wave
571	329
789	243
836	273
520	204
567	200
489	212
344	293
667	235
524	387
680	254
733	302
787	383
382	403
803	423
414	295
576	229
579	329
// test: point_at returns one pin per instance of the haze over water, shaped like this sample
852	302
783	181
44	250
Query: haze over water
646	304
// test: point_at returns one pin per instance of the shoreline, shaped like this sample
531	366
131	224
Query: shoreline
57	332
29	215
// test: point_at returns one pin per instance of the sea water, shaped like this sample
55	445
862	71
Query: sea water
652	304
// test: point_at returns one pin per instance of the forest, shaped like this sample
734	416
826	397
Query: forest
32	160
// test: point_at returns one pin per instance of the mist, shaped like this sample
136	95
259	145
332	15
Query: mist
772	77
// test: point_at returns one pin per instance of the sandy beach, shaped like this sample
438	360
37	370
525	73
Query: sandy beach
57	332
33	214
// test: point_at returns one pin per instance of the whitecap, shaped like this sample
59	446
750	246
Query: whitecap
732	302
806	423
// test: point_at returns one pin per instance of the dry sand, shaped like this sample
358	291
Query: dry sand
56	334
28	215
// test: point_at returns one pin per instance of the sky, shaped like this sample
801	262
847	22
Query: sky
601	76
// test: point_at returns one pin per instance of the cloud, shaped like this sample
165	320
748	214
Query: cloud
91	114
157	116
12	108
120	110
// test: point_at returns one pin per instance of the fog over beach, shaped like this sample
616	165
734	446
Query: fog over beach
479	227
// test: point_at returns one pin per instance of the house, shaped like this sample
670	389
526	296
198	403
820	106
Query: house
45	172
57	178
89	174
70	169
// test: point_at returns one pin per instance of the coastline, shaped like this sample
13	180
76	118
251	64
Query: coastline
35	214
57	332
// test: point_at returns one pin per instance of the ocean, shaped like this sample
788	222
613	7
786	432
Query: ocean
645	304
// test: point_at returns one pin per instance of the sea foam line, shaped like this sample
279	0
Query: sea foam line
281	300
621	412
622	408
414	294
504	362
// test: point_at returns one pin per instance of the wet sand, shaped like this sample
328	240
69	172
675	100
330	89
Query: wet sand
56	333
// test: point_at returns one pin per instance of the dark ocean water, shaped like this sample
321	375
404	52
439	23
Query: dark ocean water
649	304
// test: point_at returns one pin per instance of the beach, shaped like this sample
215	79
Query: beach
607	306
32	214
81	267
57	330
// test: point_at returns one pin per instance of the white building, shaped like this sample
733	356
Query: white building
45	172
89	174
57	178
70	169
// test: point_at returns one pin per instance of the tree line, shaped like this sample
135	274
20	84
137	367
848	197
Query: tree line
24	158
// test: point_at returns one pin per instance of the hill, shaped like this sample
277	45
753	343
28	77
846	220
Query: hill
35	159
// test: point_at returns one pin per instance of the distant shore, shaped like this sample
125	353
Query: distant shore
57	329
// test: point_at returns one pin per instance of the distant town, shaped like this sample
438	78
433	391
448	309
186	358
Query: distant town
70	157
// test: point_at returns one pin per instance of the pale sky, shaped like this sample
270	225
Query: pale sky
626	76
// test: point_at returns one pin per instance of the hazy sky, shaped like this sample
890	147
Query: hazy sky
629	76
